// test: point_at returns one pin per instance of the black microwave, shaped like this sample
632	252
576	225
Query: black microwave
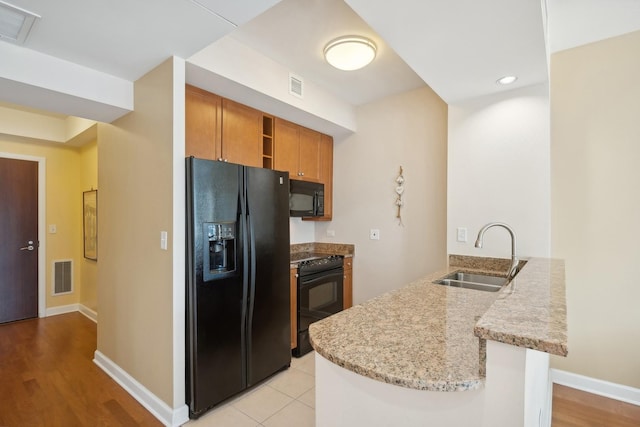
306	198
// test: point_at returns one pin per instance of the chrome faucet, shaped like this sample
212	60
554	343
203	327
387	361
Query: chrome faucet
514	259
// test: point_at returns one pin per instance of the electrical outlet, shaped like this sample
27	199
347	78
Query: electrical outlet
53	229
331	233
462	234
374	234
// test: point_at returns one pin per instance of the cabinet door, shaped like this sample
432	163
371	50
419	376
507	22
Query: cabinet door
326	177
294	307
309	154
202	123
287	143
241	134
347	286
326	174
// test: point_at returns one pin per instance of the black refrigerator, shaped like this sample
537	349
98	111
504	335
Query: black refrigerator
237	301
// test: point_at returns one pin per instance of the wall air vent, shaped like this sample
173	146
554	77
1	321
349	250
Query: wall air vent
62	277
295	85
15	23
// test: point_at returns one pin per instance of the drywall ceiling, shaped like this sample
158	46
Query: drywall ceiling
574	23
461	47
458	47
295	32
128	38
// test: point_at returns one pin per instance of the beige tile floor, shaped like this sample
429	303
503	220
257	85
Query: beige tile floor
285	400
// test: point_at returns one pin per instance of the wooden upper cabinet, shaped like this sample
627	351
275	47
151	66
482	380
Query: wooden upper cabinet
326	175
220	129
310	154
202	123
241	134
287	143
297	150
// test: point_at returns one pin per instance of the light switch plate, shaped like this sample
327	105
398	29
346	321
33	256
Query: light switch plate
462	234
374	234
163	240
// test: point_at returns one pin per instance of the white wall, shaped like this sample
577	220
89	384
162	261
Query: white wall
302	231
499	171
408	130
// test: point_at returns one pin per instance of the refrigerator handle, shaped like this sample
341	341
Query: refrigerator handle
252	284
245	282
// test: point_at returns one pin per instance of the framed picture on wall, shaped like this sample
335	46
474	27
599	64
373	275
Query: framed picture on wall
90	223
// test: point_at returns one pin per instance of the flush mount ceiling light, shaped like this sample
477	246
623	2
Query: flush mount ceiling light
15	23
350	53
506	80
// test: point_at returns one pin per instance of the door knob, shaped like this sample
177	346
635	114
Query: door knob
30	246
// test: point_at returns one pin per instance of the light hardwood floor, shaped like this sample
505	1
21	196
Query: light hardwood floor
48	378
576	408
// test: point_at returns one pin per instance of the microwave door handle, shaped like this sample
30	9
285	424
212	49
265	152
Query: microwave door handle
316	203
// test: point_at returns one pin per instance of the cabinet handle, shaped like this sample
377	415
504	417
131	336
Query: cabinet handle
219	159
225	160
301	173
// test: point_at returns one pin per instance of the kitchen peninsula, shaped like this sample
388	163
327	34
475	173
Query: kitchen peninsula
428	354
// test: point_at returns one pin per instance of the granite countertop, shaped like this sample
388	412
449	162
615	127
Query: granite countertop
432	337
301	251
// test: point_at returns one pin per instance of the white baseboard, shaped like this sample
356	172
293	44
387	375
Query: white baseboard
62	309
159	409
615	391
91	314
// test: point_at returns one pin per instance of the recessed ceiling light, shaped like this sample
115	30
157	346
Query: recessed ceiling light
506	80
15	23
350	53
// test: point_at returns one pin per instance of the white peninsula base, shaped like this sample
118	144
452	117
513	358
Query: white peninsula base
517	393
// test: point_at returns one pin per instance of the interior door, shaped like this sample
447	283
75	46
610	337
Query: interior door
18	239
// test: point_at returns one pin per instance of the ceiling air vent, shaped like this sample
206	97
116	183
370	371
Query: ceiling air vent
15	23
295	85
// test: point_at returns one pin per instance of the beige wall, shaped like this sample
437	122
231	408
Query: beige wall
135	284
595	204
63	208
89	268
408	130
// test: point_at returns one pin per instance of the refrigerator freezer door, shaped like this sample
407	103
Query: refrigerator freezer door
215	303
269	331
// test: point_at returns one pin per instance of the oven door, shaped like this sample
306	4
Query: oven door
319	296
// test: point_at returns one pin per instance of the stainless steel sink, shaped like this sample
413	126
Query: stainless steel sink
480	282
